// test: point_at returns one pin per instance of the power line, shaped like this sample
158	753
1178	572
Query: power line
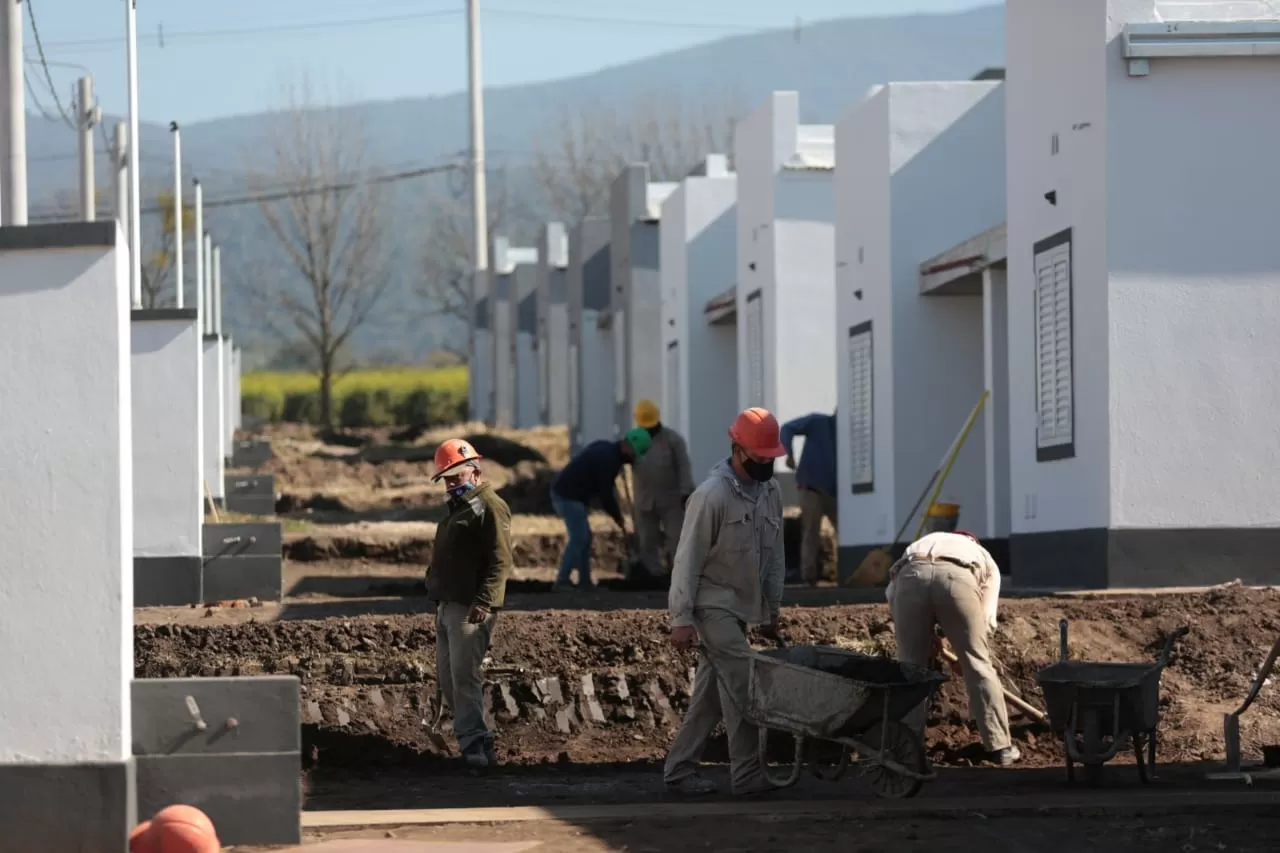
282	195
53	89
666	23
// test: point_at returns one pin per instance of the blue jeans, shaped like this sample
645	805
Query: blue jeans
577	551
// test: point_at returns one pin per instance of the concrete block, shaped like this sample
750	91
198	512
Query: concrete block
251	799
167	581
227	578
242	715
250	454
250	539
254	494
35	801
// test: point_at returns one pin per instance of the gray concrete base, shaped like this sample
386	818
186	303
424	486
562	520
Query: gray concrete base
250	454
167	581
243	561
67	807
1098	558
243	769
253	494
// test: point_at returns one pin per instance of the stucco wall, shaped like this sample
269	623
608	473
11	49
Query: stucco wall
480	364
995	416
237	398
229	401
502	408
553	325
591	348
699	255
67	628
167	408
214	389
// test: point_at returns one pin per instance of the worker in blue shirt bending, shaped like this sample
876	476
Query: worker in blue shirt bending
816	482
590	476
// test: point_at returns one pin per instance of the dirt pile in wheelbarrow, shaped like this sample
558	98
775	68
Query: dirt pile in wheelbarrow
600	688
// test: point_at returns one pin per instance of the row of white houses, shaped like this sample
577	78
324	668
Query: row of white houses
1087	236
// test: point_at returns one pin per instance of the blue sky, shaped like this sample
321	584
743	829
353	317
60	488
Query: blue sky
232	56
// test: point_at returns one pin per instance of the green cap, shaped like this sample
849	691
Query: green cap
639	440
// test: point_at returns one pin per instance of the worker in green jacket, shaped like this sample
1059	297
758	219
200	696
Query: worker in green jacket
467	579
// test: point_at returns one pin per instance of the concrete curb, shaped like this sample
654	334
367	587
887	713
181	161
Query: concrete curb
1099	804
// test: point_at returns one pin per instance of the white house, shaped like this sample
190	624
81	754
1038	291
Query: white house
503	260
590	343
786	298
1143	307
480	364
922	169
524	334
699	246
553	325
636	292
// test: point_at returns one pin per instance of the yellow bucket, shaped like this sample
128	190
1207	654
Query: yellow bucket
942	518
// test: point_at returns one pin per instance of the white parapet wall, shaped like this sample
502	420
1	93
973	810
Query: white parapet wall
503	303
922	169
786	276
66	598
635	291
524	333
553	325
1142	292
699	244
591	374
480	365
229	400
237	397
214	389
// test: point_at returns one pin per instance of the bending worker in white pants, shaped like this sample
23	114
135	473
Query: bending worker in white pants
949	579
728	574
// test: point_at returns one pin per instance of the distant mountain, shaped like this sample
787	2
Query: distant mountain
831	64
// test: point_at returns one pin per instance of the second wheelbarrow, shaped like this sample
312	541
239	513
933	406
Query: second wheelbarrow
1101	708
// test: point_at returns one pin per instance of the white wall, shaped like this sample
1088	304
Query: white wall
67	589
699	256
996	412
229	401
480	364
590	357
937	182
524	322
168	494
212	388
553	325
556	346
502	407
237	398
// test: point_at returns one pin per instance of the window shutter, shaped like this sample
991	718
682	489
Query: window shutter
860	409
620	357
672	414
1055	392
755	349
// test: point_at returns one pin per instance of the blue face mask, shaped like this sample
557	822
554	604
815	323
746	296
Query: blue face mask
460	492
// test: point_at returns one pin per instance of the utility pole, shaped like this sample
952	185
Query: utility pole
135	141
177	212
479	193
89	115
13	118
120	153
199	223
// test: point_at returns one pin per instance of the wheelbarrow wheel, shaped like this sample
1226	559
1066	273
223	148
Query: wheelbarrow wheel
1092	746
902	746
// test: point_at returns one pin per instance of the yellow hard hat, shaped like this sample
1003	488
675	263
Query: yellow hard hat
647	414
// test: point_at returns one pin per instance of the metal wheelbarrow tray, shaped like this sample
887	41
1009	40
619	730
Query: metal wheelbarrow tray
1101	708
831	694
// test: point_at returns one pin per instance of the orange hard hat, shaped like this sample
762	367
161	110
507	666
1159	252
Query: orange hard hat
756	431
176	829
452	453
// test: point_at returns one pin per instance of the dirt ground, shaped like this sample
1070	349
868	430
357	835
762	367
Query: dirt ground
765	832
584	690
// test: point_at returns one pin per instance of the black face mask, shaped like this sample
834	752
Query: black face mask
654	430
761	472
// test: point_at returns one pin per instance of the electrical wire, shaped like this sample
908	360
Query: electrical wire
53	89
629	22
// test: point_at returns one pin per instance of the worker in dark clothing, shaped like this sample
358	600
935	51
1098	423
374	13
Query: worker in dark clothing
590	476
467	579
816	482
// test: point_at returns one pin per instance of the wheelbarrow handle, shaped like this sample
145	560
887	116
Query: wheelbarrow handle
1170	640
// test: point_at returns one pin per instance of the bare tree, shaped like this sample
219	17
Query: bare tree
159	250
448	256
577	159
325	212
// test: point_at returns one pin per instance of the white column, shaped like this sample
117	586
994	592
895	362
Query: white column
989	410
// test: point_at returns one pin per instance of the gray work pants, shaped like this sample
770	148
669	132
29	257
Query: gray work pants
658	534
460	650
719	693
942	593
814	506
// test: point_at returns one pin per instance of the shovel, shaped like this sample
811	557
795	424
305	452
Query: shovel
1009	696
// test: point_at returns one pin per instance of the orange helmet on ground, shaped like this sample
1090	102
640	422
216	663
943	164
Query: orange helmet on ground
756	431
452	453
175	829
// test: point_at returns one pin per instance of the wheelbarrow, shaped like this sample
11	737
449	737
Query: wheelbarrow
1101	708
825	693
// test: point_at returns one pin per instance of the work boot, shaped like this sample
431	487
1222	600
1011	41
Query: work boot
491	753
692	786
476	757
1005	757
